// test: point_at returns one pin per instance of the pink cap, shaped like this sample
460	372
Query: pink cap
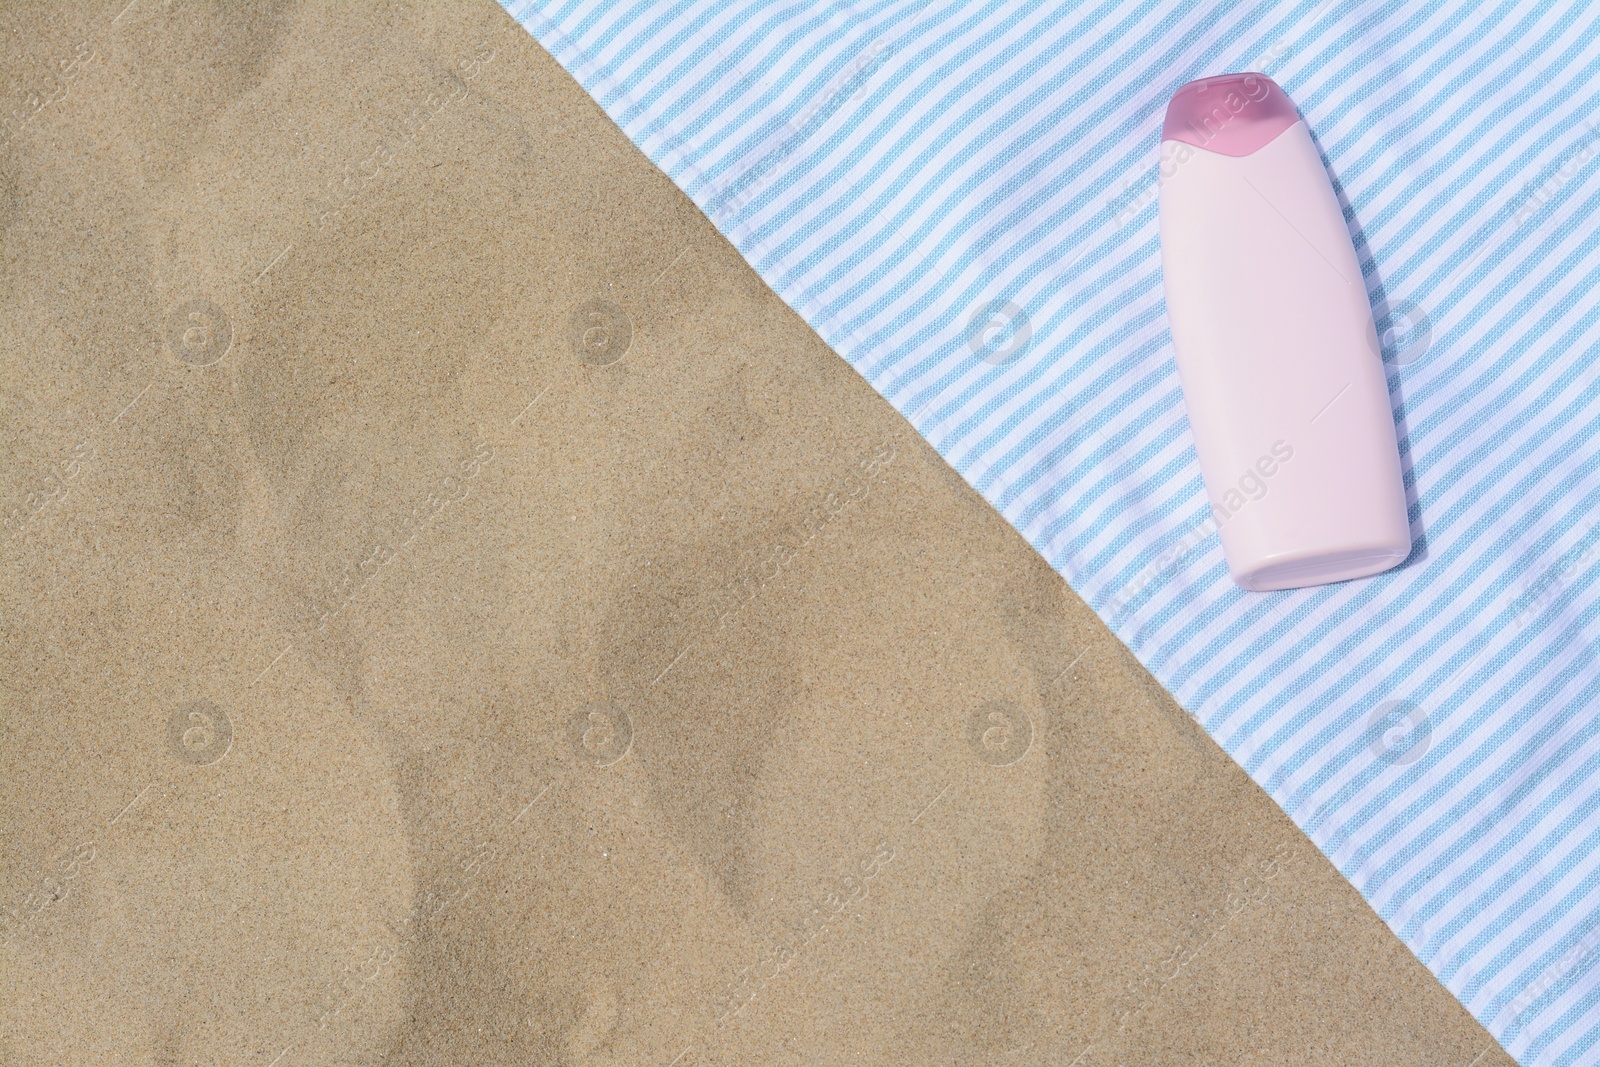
1231	114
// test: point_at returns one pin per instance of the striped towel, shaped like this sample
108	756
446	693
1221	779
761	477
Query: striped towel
960	197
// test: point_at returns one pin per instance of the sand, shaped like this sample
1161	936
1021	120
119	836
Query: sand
455	614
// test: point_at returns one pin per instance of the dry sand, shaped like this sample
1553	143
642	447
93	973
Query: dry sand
455	614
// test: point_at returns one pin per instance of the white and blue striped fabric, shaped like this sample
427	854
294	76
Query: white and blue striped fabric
959	196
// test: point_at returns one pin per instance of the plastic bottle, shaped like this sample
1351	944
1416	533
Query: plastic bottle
1282	374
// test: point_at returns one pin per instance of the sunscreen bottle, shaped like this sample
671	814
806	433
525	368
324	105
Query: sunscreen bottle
1282	374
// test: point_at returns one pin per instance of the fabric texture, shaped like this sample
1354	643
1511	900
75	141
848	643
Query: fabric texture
960	197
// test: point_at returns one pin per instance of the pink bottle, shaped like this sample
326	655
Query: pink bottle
1282	375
